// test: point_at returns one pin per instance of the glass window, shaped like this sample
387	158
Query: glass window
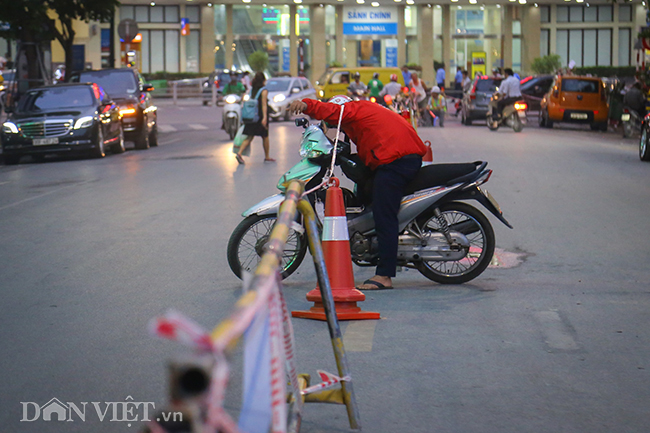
115	82
545	14
193	13
625	13
340	78
591	14
577	85
126	12
437	21
219	19
192	51
562	45
624	43
157	14
575	14
604	14
278	84
171	14
330	20
516	27
57	97
516	54
589	49
575	46
305	83
543	42
562	14
144	51
171	50
303	20
142	14
411	20
156	50
604	47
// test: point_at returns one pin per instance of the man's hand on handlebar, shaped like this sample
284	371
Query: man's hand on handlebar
297	107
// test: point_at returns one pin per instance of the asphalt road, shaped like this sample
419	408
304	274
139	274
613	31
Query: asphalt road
558	342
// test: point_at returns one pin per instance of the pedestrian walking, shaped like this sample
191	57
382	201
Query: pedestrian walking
261	127
417	85
458	79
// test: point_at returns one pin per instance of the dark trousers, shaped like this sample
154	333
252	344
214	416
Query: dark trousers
501	104
388	190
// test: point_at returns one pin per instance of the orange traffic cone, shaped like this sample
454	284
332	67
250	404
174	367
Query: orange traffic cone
428	157
336	249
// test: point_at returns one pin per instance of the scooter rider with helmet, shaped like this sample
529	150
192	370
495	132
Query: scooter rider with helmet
234	87
357	86
389	146
510	92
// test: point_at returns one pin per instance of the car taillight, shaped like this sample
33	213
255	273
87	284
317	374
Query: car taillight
472	96
520	106
216	83
595	112
625	110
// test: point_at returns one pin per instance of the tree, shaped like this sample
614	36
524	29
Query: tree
547	64
37	21
258	61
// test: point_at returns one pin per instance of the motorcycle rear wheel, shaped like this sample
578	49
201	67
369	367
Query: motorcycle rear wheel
248	241
644	151
517	125
491	123
479	232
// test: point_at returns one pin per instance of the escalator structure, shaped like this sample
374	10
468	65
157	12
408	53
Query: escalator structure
247	46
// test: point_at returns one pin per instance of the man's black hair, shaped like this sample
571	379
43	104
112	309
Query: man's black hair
509	71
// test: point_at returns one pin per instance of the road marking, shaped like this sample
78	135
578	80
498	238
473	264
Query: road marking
359	335
557	332
198	127
166	128
43	195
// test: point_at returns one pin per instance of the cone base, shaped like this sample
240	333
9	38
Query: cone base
345	294
344	311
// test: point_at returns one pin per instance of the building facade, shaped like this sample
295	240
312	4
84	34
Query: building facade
199	36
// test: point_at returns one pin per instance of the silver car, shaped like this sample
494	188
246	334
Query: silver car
283	91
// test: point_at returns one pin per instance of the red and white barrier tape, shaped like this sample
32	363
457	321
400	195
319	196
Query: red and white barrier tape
328	381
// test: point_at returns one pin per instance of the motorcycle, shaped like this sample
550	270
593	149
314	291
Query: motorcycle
446	240
631	122
513	115
232	114
359	95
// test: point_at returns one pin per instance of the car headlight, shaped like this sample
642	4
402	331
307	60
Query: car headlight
9	128
321	93
231	99
279	98
83	122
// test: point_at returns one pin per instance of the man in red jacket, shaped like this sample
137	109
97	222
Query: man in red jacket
389	145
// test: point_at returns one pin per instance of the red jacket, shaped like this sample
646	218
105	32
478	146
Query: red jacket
381	135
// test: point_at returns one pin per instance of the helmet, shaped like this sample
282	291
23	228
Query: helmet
356	75
375	75
340	99
393	77
435	89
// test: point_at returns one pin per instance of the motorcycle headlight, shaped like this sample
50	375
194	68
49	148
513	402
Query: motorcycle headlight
307	151
321	93
231	99
9	128
83	122
279	98
247	97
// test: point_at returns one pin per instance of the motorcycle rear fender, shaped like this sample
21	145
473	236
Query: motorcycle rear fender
414	204
475	194
268	206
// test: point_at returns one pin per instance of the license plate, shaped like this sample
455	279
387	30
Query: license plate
45	141
491	199
581	116
625	117
522	114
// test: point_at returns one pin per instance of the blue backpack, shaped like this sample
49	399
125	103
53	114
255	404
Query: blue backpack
250	112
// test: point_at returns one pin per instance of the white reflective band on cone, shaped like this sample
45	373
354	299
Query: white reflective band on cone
335	229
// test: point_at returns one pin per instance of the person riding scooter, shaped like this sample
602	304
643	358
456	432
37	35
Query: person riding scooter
392	149
234	87
509	92
635	99
357	88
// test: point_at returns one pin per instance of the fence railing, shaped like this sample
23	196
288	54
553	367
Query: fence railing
261	317
185	89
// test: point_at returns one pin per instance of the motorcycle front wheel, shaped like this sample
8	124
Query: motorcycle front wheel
248	241
469	221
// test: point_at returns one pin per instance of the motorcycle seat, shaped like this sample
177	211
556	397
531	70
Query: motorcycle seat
445	175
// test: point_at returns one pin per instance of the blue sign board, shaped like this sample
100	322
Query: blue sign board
369	28
391	57
286	60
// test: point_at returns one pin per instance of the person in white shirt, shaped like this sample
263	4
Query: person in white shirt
392	88
509	90
246	81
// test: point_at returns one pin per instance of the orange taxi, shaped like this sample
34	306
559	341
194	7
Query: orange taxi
575	99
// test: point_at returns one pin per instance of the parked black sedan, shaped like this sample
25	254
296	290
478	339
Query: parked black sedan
62	119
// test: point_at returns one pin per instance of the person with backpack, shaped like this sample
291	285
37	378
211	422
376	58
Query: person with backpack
256	125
